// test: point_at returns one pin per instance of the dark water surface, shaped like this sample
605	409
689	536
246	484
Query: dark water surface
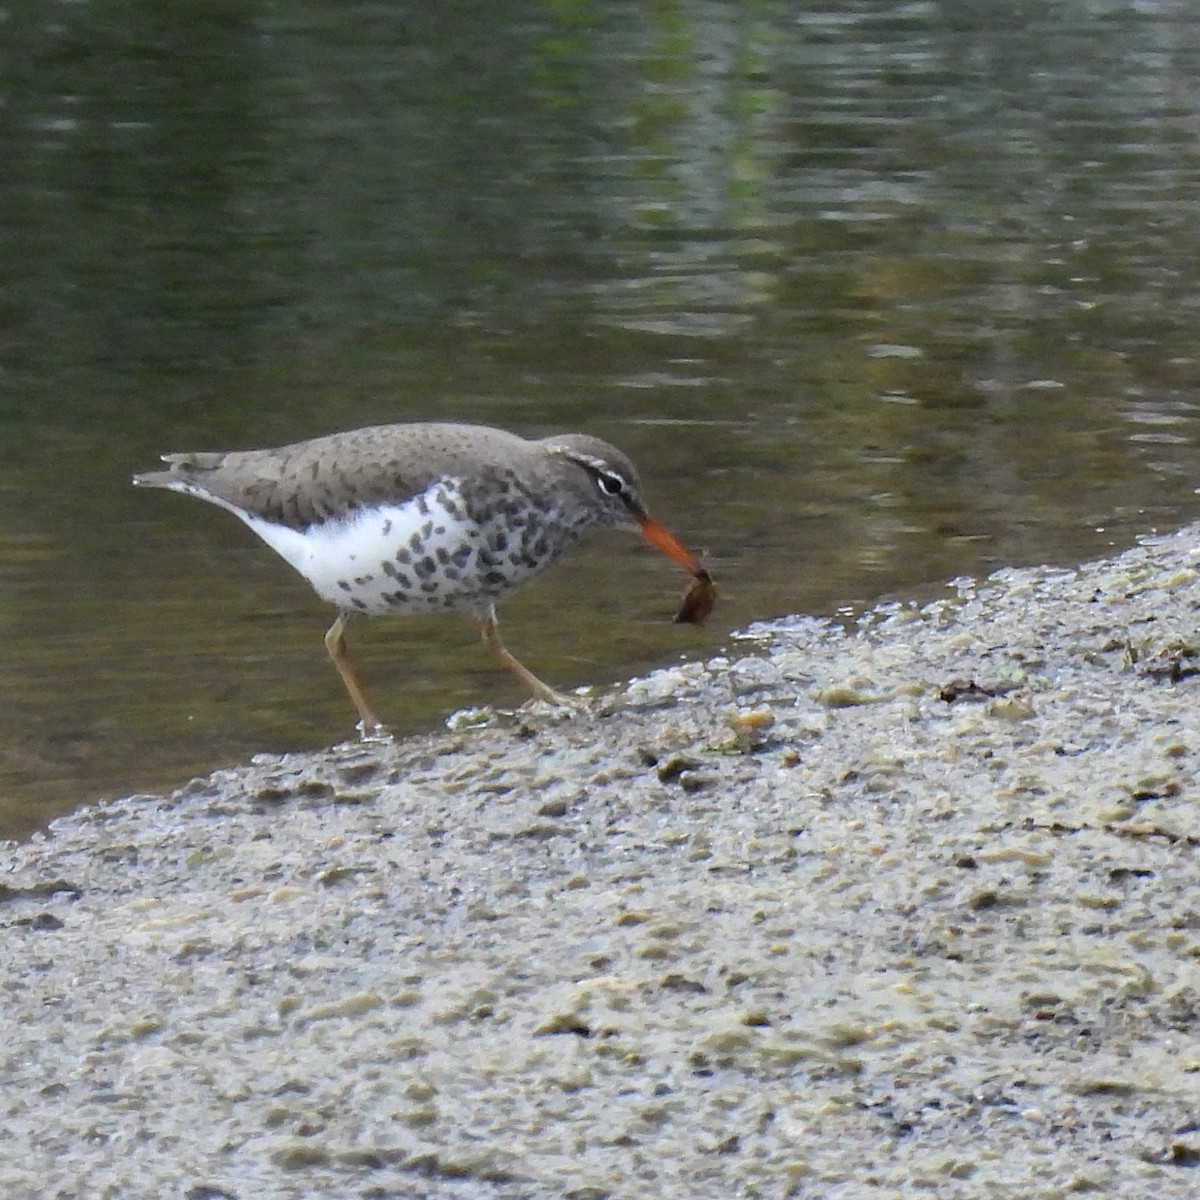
874	294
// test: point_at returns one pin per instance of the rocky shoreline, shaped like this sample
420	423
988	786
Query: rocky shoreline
910	908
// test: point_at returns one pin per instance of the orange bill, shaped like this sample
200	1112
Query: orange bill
663	540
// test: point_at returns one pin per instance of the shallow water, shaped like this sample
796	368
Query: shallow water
874	299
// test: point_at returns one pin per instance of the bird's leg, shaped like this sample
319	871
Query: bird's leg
335	642
491	639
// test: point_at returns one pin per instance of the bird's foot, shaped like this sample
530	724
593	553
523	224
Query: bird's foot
573	704
373	732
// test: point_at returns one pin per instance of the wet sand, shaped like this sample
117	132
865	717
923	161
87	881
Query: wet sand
909	909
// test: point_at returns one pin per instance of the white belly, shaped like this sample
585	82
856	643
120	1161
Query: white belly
411	557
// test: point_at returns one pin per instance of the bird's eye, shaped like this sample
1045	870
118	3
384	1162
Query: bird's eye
610	485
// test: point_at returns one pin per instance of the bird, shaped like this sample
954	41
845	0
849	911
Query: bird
428	517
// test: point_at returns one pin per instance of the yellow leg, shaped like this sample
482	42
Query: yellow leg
335	642
491	639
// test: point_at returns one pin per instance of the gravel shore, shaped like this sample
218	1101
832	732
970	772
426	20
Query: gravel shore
909	909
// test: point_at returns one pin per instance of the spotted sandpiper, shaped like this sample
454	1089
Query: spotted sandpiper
427	517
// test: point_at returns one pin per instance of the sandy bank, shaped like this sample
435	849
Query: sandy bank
909	910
